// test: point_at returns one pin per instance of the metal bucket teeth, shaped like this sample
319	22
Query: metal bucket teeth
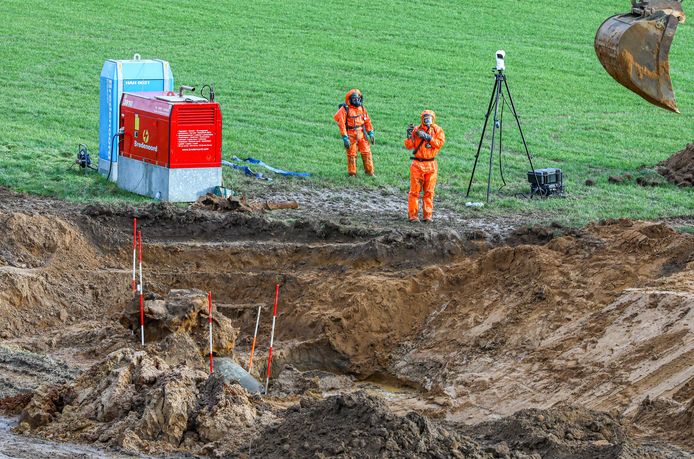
634	48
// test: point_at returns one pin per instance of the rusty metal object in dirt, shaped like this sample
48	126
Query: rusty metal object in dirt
235	204
634	48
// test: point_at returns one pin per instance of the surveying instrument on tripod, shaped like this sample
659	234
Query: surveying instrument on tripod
496	105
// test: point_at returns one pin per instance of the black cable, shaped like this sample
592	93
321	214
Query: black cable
484	130
501	127
504	103
210	92
201	89
520	130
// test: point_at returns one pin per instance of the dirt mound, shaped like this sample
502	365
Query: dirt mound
181	312
560	432
359	426
537	235
32	241
679	168
236	204
13	405
153	400
49	274
138	402
669	419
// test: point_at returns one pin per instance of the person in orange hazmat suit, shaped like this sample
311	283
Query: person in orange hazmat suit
426	140
355	127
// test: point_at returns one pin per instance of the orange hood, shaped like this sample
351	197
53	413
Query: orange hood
349	94
428	112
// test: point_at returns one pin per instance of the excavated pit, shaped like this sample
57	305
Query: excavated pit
462	328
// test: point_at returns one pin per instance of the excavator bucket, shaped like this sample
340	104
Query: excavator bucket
634	48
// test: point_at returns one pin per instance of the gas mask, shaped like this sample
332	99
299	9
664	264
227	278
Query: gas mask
428	120
355	100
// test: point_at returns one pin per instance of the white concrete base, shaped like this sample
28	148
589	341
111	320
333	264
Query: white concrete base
175	185
103	169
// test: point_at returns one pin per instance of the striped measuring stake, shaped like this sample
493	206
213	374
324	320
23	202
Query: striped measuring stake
272	337
133	284
140	288
209	308
255	335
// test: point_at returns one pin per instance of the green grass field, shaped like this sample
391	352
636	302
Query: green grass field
281	68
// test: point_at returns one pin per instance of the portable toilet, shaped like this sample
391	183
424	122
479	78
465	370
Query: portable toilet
119	76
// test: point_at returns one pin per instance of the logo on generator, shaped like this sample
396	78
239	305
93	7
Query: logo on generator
144	146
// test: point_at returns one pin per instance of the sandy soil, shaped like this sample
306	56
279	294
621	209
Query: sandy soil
679	168
481	340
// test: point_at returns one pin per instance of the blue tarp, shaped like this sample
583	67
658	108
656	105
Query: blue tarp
260	163
247	170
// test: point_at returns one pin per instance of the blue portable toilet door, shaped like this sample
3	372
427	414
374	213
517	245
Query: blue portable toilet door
119	76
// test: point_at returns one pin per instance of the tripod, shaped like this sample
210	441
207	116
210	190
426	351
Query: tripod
497	96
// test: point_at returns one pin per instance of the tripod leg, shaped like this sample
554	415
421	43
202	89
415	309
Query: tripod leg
491	149
484	130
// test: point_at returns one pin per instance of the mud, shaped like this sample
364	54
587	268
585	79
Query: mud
669	419
453	340
358	426
563	431
679	168
242	204
22	371
21	447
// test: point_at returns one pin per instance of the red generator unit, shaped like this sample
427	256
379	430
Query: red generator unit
171	147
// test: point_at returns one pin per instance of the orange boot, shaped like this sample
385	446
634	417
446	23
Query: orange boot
368	161
351	165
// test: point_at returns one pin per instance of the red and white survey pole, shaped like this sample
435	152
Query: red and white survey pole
141	291
209	308
272	337
255	335
133	284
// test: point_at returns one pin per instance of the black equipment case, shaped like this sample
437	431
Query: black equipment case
546	181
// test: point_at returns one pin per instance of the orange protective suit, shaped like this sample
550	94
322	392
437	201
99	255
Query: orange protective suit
424	168
352	123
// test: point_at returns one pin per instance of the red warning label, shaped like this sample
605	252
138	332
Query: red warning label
195	139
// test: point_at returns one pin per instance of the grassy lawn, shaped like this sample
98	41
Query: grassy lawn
281	68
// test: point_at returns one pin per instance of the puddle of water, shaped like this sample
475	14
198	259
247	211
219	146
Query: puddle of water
20	447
